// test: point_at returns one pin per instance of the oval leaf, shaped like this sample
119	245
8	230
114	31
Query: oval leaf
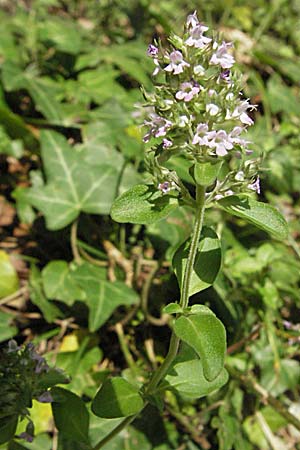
142	204
207	262
117	398
206	334
186	376
262	215
70	414
206	173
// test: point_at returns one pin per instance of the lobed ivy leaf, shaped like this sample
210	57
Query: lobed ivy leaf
142	204
206	334
72	184
117	398
102	296
207	262
59	284
70	414
262	215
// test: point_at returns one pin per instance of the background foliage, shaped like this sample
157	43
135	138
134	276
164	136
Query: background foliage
90	292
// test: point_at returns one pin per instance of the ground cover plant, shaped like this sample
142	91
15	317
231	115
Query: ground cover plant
149	289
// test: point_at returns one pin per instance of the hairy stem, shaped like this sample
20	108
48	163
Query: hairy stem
160	373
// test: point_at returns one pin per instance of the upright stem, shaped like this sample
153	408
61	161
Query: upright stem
160	373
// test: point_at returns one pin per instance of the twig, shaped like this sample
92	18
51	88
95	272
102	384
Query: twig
116	257
163	320
73	241
20	293
124	347
96	262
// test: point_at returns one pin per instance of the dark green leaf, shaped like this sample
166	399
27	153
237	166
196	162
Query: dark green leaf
262	215
70	415
205	333
8	426
117	398
142	204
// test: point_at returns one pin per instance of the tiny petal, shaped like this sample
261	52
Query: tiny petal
212	109
167	143
152	51
199	70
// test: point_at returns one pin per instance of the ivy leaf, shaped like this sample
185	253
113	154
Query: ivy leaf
142	204
59	284
72	184
70	414
9	281
260	214
187	378
38	298
117	398
206	334
207	262
103	297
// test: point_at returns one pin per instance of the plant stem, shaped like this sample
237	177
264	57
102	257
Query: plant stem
160	373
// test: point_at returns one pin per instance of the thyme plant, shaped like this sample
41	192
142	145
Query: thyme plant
196	116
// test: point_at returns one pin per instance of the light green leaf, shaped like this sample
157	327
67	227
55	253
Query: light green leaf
173	308
38	298
205	333
64	34
70	414
142	204
207	262
9	281
260	214
206	173
103	297
72	184
117	398
186	376
59	284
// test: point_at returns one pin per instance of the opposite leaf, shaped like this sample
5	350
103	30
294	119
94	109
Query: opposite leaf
206	334
262	215
207	262
142	204
117	398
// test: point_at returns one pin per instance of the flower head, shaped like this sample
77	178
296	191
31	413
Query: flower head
222	57
152	51
187	91
177	64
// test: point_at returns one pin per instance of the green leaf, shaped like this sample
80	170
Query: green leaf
142	204
8	426
117	398
38	298
206	334
103	297
70	414
64	34
172	308
9	281
207	262
260	214
51	378
72	184
186	376
7	331
206	173
59	284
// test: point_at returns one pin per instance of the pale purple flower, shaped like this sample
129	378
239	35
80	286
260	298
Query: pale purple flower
201	135
187	91
158	127
196	38
177	64
212	109
255	186
220	141
240	113
192	20
183	121
152	51
167	143
26	436
235	139
222	57
225	75
165	187
46	397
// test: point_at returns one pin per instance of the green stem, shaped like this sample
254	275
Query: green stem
160	373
